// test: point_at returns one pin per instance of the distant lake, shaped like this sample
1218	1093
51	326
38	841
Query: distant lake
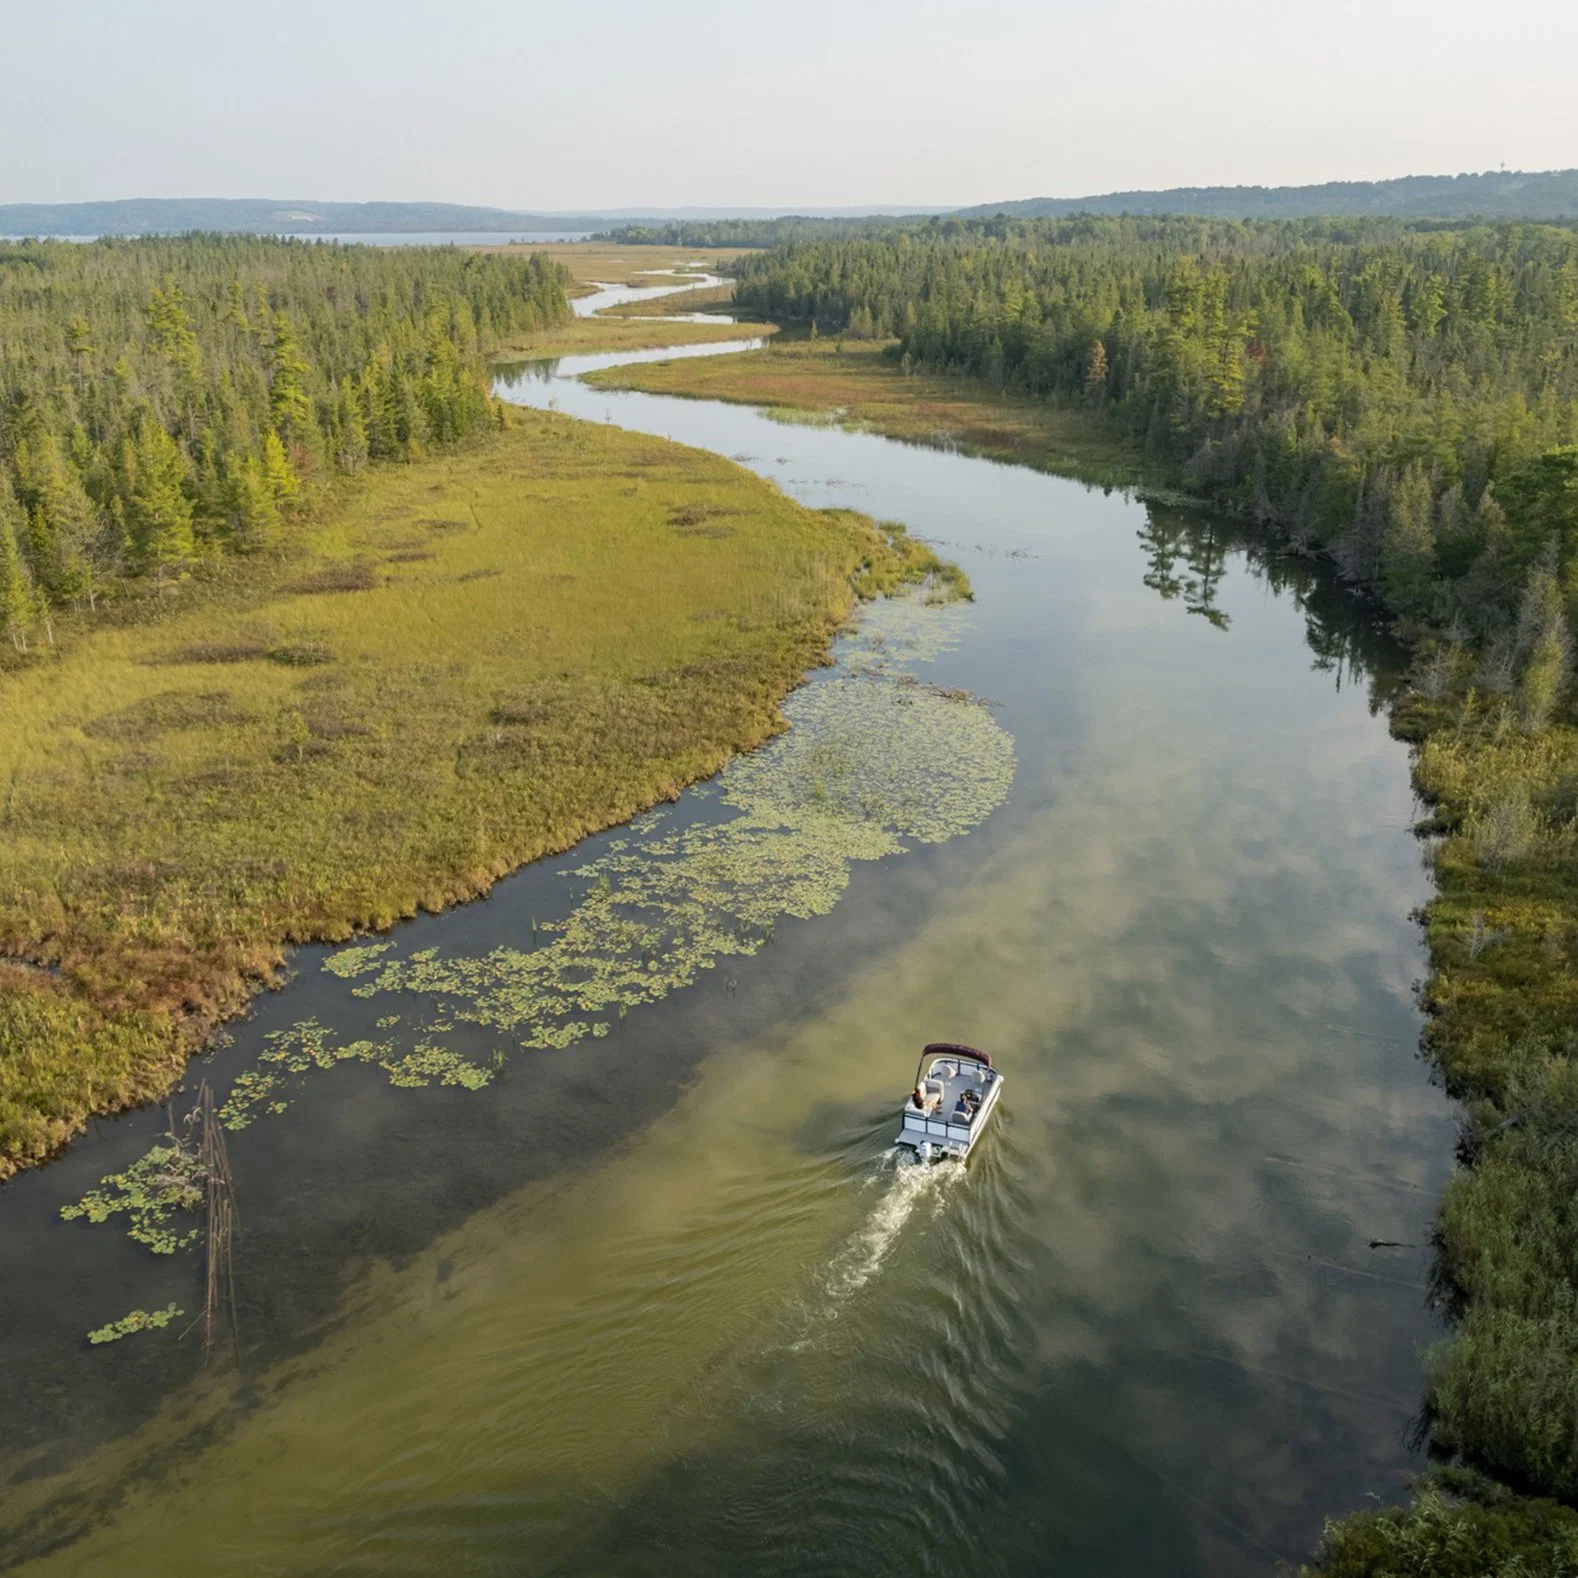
441	238
404	238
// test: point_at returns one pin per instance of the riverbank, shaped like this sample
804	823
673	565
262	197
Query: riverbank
593	336
857	383
1163	981
466	664
639	324
1502	991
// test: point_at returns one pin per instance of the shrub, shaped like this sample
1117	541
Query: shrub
1491	1534
1505	832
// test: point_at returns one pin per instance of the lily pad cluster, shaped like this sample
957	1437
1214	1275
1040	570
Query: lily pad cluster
307	1045
872	763
155	1190
137	1320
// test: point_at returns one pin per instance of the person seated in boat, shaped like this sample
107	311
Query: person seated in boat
968	1104
927	1096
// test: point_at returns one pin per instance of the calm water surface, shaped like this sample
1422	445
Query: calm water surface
663	1301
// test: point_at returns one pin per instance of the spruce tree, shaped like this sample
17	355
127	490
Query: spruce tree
279	477
251	506
1408	548
352	441
159	512
16	595
290	407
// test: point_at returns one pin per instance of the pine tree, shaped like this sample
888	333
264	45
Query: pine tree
1096	372
236	308
251	506
63	525
290	407
158	510
16	593
279	477
1408	548
352	442
171	324
1227	379
1428	307
1544	644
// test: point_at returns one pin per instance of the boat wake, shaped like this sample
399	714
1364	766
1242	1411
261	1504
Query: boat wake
905	1188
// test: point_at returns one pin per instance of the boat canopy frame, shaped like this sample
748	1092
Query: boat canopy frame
953	1049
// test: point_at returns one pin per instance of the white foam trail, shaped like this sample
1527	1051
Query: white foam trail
910	1184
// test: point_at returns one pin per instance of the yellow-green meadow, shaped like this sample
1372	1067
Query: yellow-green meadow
465	664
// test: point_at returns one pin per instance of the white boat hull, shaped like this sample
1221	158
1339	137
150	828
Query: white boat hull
951	1141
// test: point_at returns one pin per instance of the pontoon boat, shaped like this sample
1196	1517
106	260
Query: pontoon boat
956	1091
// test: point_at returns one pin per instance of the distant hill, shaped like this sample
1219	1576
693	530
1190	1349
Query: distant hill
173	215
1496	194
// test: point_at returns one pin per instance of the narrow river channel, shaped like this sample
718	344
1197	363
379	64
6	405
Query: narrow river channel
661	1301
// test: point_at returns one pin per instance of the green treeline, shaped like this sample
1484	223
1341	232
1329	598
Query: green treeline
167	400
1404	400
1360	392
750	232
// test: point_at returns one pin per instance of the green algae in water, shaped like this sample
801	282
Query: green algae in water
137	1320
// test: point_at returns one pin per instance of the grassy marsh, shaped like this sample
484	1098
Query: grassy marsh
609	263
856	382
1503	936
464	665
701	299
591	336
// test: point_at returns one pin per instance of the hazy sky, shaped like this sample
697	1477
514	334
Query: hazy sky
809	102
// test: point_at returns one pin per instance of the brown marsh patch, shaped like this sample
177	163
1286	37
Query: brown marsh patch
168	711
354	575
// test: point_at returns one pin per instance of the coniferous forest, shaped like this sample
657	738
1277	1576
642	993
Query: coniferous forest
1359	386
168	400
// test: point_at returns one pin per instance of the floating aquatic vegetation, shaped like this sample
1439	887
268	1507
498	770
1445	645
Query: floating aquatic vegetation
137	1320
872	762
152	1191
307	1045
348	962
427	1062
902	631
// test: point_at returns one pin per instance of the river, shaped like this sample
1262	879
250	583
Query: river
662	1300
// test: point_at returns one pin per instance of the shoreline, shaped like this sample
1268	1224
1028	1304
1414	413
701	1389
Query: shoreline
1498	934
141	1047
